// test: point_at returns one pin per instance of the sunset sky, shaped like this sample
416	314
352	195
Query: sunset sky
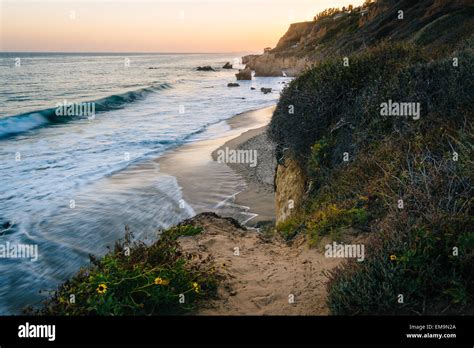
151	25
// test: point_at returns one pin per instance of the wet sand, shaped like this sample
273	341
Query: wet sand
227	190
259	192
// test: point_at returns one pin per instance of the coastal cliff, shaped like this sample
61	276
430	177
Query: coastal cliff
290	187
436	25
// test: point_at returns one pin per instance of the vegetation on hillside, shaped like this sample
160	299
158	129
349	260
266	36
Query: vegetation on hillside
136	279
403	184
438	25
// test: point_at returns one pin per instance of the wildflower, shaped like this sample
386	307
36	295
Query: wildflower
196	287
393	257
159	281
102	289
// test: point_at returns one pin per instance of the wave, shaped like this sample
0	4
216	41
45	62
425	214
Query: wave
17	124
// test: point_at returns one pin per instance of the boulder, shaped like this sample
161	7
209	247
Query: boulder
233	84
244	74
265	90
227	66
252	88
205	68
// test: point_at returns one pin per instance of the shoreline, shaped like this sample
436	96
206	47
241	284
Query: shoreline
231	190
260	190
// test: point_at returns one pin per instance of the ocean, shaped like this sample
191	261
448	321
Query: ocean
66	182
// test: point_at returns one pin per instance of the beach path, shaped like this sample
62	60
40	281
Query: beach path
263	276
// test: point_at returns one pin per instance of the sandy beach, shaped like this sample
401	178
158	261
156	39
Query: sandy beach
230	189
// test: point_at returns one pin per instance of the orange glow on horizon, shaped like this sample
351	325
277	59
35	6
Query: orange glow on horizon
151	26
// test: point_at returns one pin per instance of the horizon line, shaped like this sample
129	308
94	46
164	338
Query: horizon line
125	52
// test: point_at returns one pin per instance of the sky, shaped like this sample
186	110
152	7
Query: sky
151	25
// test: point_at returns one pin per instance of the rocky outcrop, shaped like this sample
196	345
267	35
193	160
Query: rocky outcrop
227	66
233	84
205	68
244	74
290	187
247	59
270	64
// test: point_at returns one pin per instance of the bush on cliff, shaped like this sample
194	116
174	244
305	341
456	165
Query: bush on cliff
136	279
406	185
344	102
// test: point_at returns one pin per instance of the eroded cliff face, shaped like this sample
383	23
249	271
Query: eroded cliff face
290	188
294	35
270	64
349	31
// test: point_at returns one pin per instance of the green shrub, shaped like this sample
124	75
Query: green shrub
331	220
426	270
415	263
318	160
184	230
136	279
289	228
344	102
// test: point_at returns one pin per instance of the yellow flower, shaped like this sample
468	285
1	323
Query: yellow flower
196	287
102	289
393	257
159	281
